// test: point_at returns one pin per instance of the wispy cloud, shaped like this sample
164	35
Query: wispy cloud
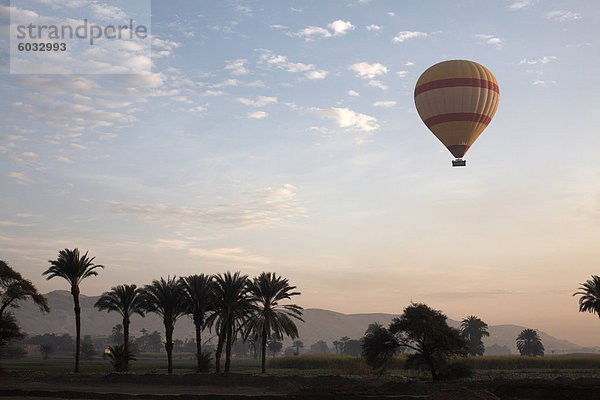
270	206
562	15
373	28
335	28
490	39
353	93
282	62
385	103
237	67
260	101
347	119
543	60
257	114
405	35
368	71
520	4
20	178
378	84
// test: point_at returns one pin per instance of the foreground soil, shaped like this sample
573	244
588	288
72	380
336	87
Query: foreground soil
514	386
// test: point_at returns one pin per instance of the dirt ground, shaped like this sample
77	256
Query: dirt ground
517	386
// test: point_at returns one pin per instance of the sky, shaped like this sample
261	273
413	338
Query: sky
282	136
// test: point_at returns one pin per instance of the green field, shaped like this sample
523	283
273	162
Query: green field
304	364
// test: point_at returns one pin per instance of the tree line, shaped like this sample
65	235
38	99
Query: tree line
233	304
228	303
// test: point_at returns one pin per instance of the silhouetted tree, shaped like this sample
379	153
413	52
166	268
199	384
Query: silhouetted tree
199	293
379	347
231	308
425	331
320	347
126	300
529	343
13	289
473	330
166	298
298	345
74	269
590	296
119	358
269	317
274	346
87	347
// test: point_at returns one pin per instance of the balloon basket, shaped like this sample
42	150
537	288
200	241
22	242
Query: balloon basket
459	162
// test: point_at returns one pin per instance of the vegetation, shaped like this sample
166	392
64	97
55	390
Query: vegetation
166	298
473	330
15	288
425	331
119	357
126	300
268	317
529	343
379	347
73	268
199	292
590	296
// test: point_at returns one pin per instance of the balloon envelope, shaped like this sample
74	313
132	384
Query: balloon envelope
457	99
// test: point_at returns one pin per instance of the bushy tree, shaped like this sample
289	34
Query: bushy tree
529	343
13	289
425	331
473	330
379	347
87	347
74	268
119	358
320	347
274	346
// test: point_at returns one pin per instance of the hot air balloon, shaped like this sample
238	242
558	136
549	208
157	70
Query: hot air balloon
457	99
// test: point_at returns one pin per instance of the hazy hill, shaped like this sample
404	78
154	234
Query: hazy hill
319	324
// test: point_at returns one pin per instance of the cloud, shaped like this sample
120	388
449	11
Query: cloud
348	119
543	60
373	27
340	27
377	84
391	14
353	93
491	39
62	159
562	16
405	35
520	4
236	83
272	205
539	82
402	74
107	12
226	254
260	101
20	178
385	103
195	110
77	146
257	114
317	74
336	28
237	67
409	64
368	71
282	62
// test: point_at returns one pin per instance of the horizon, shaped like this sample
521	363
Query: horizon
263	136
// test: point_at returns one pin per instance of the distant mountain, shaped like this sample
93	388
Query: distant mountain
319	325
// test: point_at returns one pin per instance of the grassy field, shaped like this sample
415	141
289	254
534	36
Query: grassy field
316	364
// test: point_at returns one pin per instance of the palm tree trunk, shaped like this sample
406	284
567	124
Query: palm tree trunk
198	325
126	342
75	293
169	345
228	348
219	350
263	349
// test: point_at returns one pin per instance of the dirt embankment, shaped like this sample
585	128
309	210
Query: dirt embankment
36	385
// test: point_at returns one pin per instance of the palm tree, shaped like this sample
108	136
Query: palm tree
590	296
529	343
473	330
166	299
232	307
126	300
74	269
269	318
198	290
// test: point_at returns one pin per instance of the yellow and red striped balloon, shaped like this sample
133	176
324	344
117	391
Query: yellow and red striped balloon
457	99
